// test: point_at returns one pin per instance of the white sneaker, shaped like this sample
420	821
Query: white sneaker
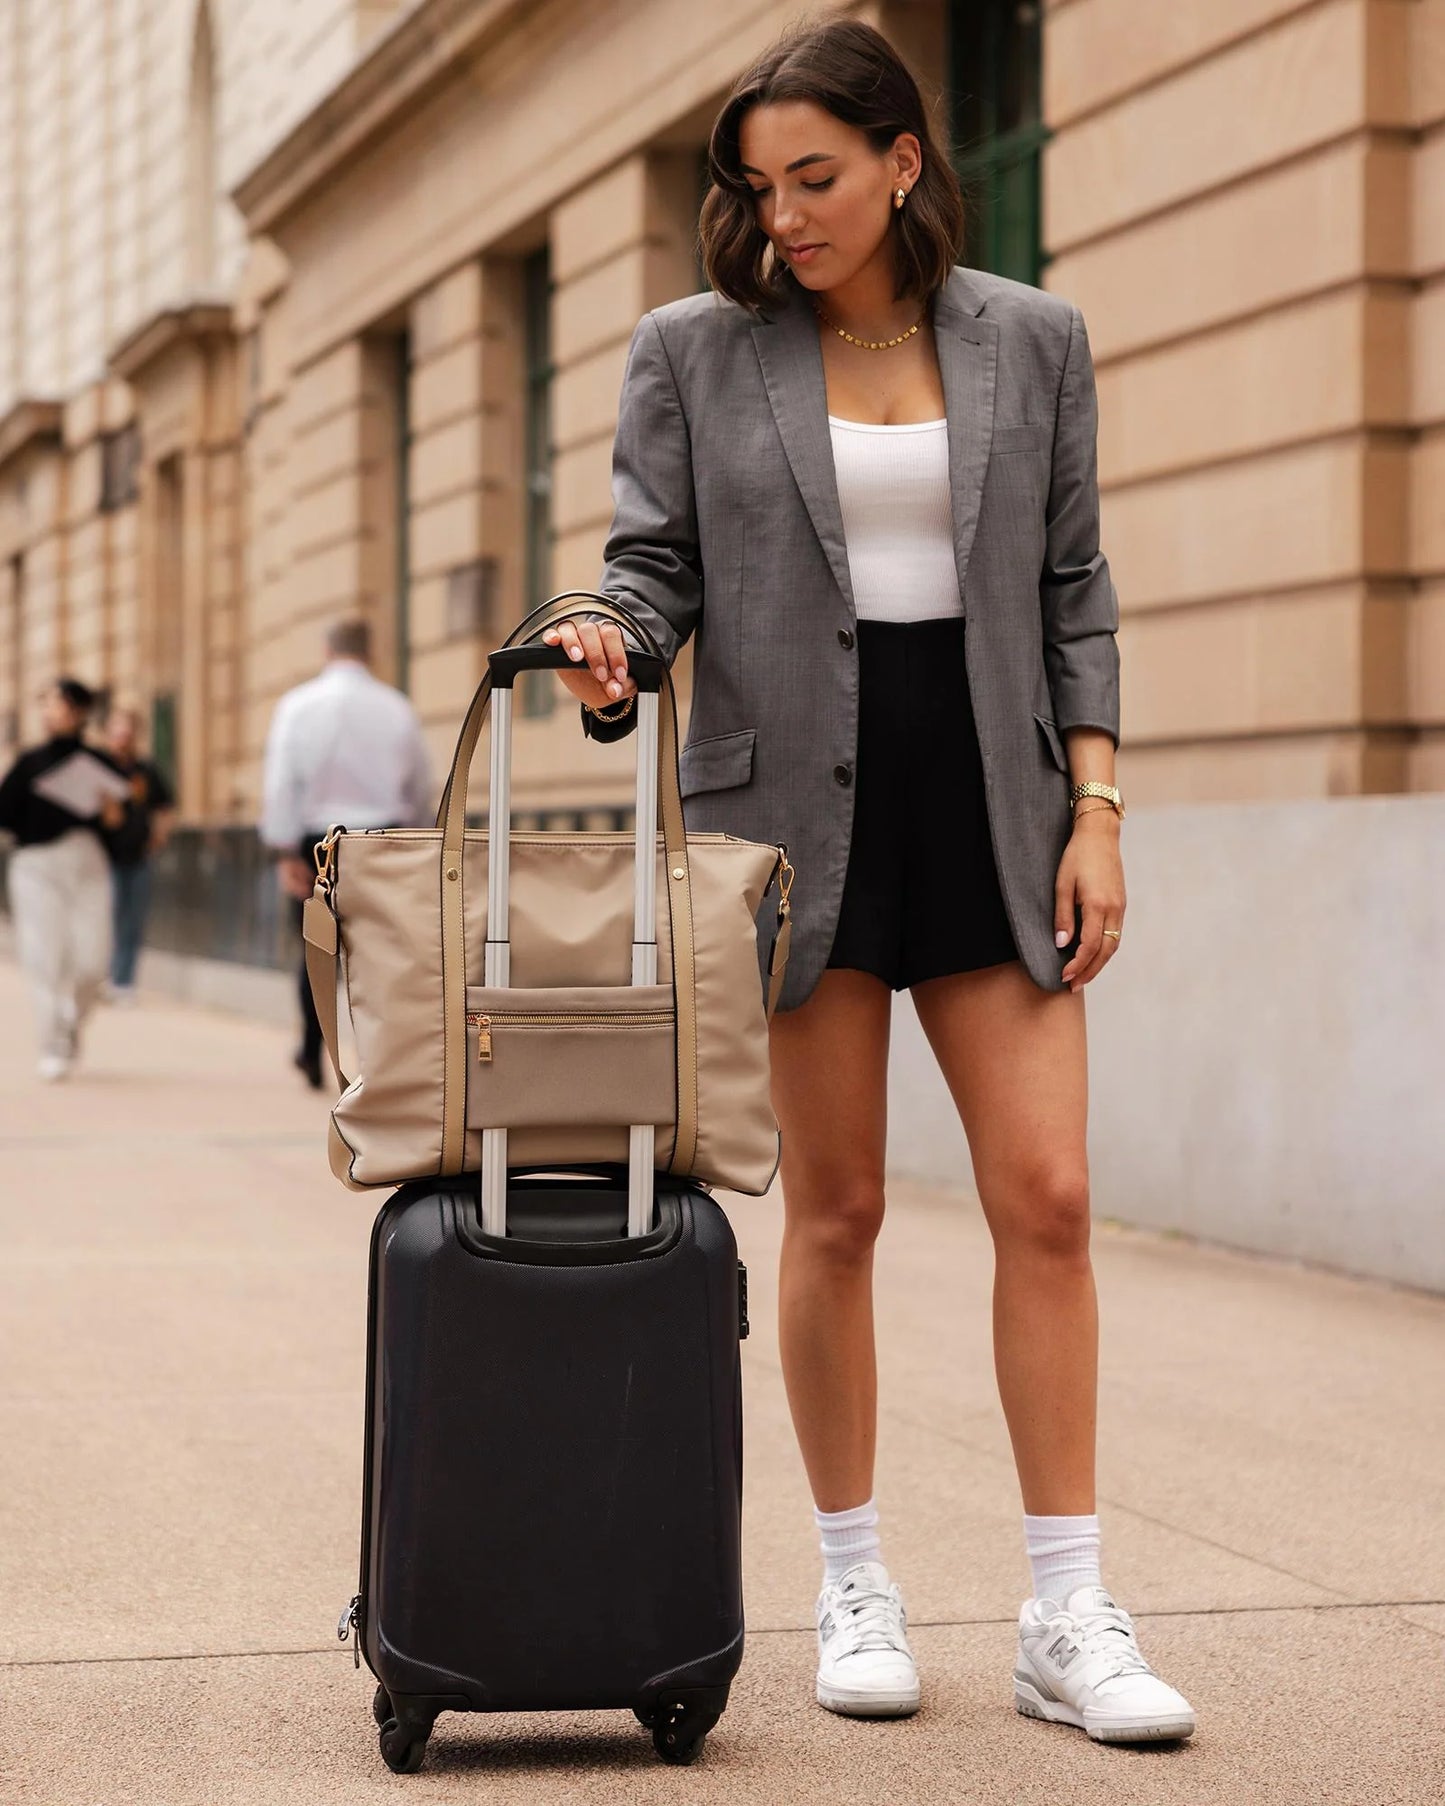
1079	1664
53	1067
865	1667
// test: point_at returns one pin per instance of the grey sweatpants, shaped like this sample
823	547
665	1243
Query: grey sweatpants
61	904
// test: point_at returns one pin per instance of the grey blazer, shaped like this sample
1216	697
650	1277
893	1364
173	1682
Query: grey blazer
727	525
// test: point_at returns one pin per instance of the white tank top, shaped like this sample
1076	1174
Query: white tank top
897	509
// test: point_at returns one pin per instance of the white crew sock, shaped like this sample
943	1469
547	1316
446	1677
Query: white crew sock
848	1537
1063	1554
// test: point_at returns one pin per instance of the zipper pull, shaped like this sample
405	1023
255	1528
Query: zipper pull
348	1623
483	1026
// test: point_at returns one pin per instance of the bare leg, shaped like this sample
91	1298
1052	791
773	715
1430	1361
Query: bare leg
830	1062
1014	1058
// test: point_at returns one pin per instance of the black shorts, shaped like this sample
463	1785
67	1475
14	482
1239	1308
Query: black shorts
921	897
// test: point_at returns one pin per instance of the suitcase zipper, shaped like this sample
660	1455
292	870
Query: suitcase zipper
483	1024
348	1625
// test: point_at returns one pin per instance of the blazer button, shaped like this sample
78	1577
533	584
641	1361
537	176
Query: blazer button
845	639
844	774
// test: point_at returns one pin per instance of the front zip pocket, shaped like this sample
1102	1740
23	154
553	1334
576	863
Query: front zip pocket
559	1019
599	1056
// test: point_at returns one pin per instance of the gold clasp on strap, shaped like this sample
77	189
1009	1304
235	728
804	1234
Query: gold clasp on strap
324	855
785	879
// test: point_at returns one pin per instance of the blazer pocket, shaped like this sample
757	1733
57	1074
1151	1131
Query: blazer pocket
1051	734
721	763
1030	436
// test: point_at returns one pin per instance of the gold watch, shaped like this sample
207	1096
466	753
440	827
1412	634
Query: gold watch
1109	792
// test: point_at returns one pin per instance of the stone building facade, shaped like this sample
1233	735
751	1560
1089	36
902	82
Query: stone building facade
310	310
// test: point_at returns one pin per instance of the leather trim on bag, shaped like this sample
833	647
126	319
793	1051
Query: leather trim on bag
341	1157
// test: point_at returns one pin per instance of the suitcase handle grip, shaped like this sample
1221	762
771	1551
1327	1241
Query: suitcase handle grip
645	668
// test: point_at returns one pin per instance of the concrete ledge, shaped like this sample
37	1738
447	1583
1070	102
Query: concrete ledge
218	984
1267	1053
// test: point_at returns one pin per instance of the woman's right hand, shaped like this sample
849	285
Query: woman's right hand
599	654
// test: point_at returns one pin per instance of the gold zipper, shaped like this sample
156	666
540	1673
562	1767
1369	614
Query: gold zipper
559	1019
571	836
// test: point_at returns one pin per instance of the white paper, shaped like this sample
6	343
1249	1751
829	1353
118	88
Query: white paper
80	784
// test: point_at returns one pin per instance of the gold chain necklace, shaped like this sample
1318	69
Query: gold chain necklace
871	344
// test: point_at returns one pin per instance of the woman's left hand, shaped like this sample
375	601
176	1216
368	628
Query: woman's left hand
1091	878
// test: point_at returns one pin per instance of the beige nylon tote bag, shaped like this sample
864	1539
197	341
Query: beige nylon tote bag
569	1052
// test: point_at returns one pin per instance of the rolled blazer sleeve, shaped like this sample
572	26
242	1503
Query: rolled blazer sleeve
1076	593
651	560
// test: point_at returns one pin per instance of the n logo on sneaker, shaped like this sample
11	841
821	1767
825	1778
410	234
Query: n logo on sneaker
1061	1652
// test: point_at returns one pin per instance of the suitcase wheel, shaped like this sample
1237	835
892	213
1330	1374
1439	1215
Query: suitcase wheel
680	1722
381	1706
401	1750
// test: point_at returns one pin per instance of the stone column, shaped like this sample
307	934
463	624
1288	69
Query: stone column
620	246
1232	213
454	609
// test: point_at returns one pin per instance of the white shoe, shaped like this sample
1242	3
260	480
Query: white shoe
1079	1664
865	1667
53	1067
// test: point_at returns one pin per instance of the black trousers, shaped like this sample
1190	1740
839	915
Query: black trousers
310	1021
921	897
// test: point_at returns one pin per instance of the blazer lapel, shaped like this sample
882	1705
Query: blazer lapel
792	363
968	363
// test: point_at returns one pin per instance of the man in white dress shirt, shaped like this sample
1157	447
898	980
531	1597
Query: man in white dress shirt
343	747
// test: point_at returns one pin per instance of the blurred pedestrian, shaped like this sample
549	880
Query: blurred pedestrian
342	748
58	799
144	830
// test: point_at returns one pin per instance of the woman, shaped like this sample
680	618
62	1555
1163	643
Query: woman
57	800
879	470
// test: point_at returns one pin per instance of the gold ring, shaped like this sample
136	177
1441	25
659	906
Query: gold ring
1113	933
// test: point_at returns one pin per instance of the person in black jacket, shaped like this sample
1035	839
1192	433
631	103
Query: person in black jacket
57	800
143	832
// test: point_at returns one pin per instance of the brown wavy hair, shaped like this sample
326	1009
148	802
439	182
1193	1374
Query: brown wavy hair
853	72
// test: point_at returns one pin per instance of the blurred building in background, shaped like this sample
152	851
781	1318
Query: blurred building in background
310	309
306	309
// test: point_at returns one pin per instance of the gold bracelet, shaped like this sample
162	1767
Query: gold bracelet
1096	810
624	708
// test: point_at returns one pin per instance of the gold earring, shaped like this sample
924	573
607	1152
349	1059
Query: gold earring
901	195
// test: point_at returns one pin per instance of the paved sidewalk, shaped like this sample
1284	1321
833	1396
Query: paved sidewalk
181	1346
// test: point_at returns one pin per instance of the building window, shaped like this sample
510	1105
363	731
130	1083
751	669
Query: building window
164	743
14	648
539	689
165	663
119	468
471	607
995	61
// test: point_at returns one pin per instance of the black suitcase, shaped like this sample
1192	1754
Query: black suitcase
552	1506
553	1478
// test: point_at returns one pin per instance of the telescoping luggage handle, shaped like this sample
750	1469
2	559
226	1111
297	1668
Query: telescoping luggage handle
656	752
647	671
